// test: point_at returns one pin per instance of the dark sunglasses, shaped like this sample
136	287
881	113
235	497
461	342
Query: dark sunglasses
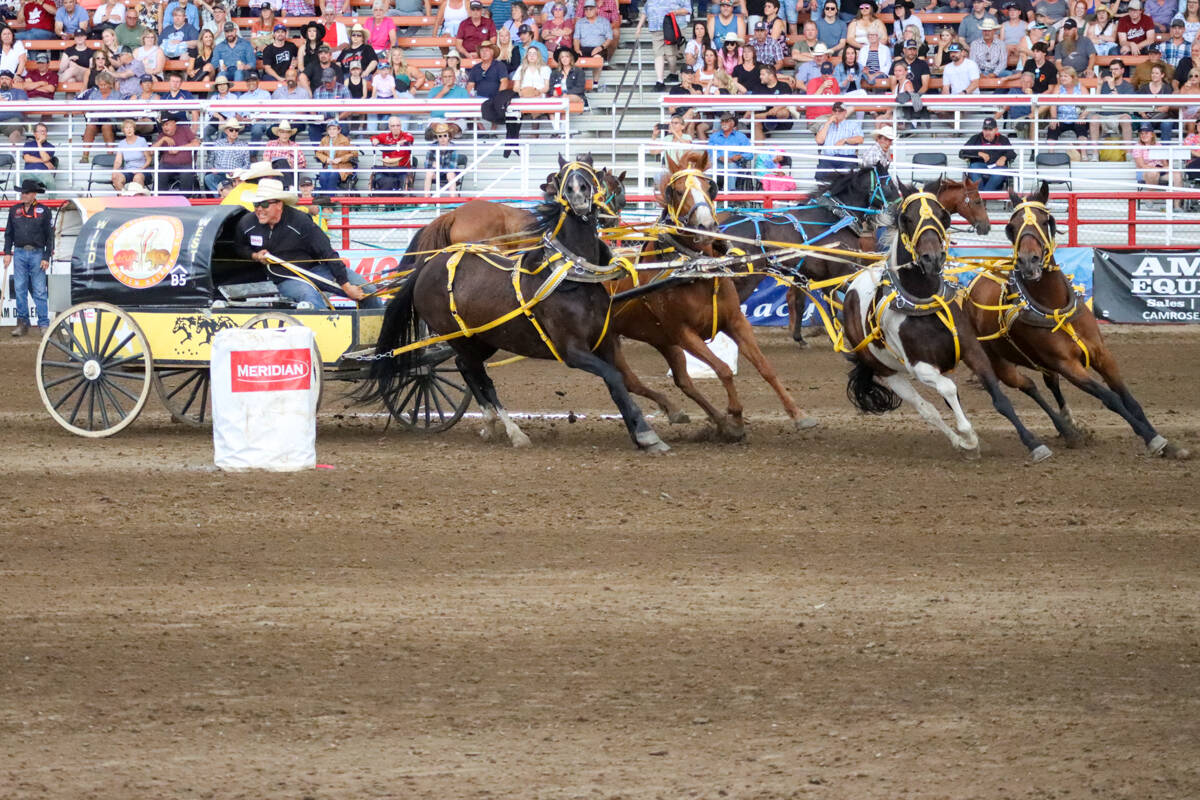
443	136
261	204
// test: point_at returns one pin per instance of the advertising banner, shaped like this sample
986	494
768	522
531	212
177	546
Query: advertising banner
1148	286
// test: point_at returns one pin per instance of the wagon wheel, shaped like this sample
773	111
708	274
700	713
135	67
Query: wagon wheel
185	393
433	396
94	369
278	319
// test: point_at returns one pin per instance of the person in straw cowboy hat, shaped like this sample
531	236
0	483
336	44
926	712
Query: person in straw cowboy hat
283	152
277	228
880	154
443	164
226	157
245	183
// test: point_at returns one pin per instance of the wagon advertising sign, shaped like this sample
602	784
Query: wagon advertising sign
270	370
1151	286
143	251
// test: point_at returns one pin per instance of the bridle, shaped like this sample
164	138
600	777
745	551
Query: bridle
692	179
599	199
927	221
1029	220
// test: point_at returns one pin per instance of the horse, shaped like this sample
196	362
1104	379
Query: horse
901	322
544	304
680	314
1032	318
486	221
962	198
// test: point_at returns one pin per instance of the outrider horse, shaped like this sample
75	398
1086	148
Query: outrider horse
1033	318
545	304
679	315
901	322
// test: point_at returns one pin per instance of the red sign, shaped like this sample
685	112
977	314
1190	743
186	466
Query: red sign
270	370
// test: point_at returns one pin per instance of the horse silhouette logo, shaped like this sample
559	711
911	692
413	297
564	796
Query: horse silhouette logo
200	325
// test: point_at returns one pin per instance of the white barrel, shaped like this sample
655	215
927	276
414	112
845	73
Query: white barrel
265	389
723	348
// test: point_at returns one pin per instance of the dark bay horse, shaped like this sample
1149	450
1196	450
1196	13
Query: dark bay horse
901	323
1032	318
476	289
683	314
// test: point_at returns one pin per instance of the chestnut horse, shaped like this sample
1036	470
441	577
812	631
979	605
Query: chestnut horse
682	314
901	323
1033	318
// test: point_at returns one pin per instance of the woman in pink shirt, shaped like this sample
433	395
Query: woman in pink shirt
381	29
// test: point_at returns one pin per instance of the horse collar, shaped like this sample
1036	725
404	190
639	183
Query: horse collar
909	304
1034	313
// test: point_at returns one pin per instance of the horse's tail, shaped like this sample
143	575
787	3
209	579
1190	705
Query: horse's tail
868	395
412	258
401	326
436	235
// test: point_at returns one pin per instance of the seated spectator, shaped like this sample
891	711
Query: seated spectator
133	156
107	16
448	89
176	157
725	22
337	156
38	159
151	56
1191	170
329	89
914	35
518	16
74	61
1102	31
254	93
1190	113
233	55
1114	83
192	14
802	50
903	22
1190	13
1079	13
395	157
1161	117
40	82
770	51
179	36
313	70
283	153
1188	63
1141	73
150	16
200	65
290	88
731	54
824	84
128	73
358	51
672	140
772	170
129	32
525	35
971	27
1021	116
594	37
831	30
910	105
566	78
508	52
12	123
261	29
38	19
443	165
105	90
227	156
1065	118
489	79
279	55
1013	29
1044	71
839	137
731	158
380	28
859	28
1073	50
847	72
12	52
175	91
939	53
70	18
217	118
774	118
1037	32
988	52
337	35
558	30
214	20
807	70
1160	12
1153	165
876	62
1175	48
473	31
108	41
1135	30
918	67
988	150
961	75
147	124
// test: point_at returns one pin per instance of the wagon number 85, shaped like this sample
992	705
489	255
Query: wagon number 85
179	277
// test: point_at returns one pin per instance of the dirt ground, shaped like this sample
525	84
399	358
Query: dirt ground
850	612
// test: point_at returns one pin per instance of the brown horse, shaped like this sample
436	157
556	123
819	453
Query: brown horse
957	197
682	315
1034	319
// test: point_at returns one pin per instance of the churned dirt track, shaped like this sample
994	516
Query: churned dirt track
852	612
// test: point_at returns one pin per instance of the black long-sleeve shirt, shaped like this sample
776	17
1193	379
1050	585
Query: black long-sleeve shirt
29	227
295	238
1000	146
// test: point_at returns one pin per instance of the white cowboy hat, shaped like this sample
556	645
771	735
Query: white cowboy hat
271	189
820	49
231	123
257	170
133	189
988	24
886	131
283	126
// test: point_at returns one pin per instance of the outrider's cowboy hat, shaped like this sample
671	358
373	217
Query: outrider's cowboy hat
31	185
272	189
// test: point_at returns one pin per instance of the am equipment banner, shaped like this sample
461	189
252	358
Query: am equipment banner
1147	285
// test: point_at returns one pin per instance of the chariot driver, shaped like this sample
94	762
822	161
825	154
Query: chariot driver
278	229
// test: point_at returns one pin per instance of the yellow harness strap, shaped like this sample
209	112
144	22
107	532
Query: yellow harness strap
528	309
691	181
928	220
1028	220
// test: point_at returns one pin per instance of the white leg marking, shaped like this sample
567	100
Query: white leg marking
899	384
948	389
515	434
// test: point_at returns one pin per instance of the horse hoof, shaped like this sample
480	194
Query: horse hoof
520	440
1076	439
972	454
1040	454
731	434
1157	445
678	418
656	449
649	441
485	434
801	344
804	423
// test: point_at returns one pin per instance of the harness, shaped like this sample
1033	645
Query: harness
691	184
599	198
903	302
1028	220
927	221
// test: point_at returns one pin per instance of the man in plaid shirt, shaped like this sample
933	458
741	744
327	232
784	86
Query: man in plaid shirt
298	8
226	157
329	89
1176	47
767	50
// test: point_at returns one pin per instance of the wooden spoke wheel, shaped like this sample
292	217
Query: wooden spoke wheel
278	319
94	369
185	393
434	396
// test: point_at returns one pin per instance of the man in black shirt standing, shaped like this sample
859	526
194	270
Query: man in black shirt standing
278	229
28	240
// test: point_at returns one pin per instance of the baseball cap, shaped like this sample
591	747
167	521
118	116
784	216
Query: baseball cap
1145	126
83	33
1178	23
230	26
1153	48
954	48
328	74
251	76
279	26
989	123
728	115
838	106
760	26
146	79
6	73
1070	23
587	3
1136	4
476	4
524	29
324	49
41	56
910	44
827	68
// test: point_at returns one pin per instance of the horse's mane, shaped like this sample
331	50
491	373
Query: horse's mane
545	216
842	181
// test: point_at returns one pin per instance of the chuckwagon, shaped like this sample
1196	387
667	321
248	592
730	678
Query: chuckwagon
150	287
